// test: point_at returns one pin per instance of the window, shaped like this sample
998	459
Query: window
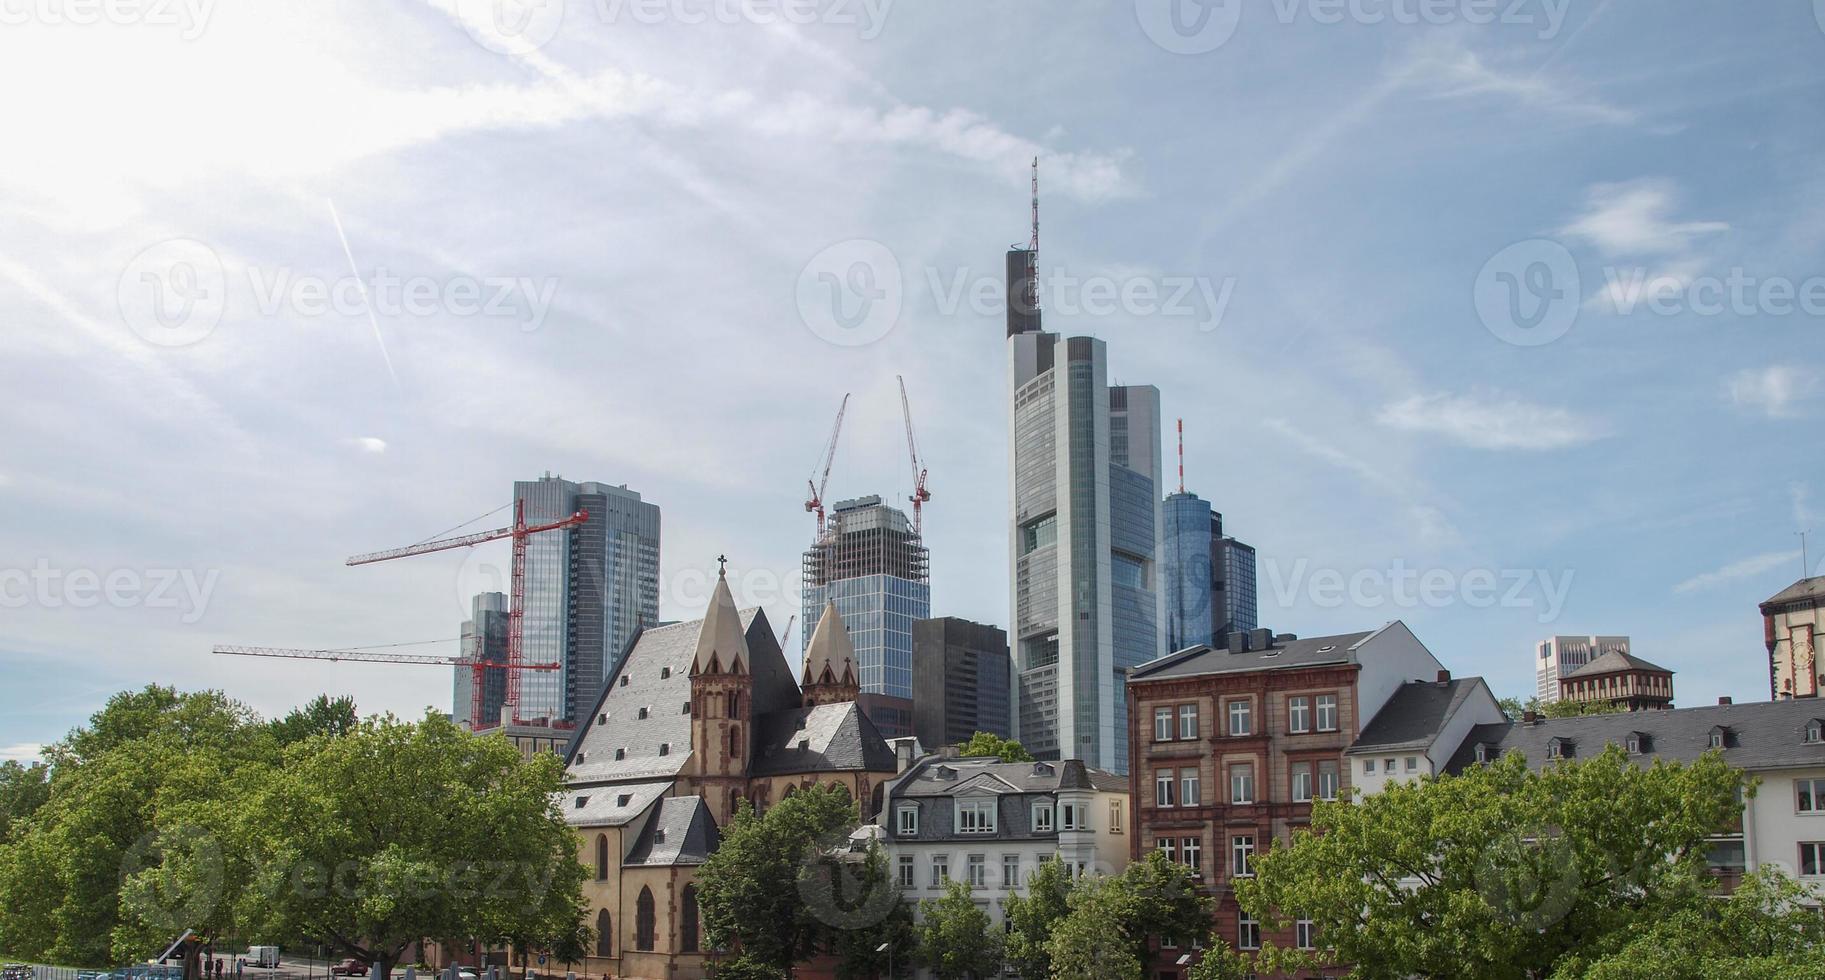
1812	858
643	921
909	821
1327	712
1368	767
1302	782
1115	816
978	871
1634	744
1042	818
1239	719
644	712
605	933
1305	934
1248	933
665	748
1162	787
1242	855
1188	721
1191	854
1010	871
1074	816
687	920
1387	766
620	754
601	857
1169	846
1242	783
1299	715
976	816
941	870
1329	779
1719	737
1188	787
906	871
1809	795
1162	724
1413	763
1815	732
1482	752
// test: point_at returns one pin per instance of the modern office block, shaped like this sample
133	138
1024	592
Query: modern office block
484	638
960	681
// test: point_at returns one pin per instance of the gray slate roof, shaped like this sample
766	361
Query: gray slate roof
1416	714
1806	588
602	806
1763	735
827	738
681	833
1016	786
1307	652
1614	661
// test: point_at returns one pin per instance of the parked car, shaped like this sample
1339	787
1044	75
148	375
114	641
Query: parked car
15	971
350	967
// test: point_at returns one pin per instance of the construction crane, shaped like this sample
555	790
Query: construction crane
919	495
814	501
520	532
785	638
477	666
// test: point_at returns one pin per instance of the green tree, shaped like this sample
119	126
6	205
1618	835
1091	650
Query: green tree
322	716
1768	929
1091	942
858	942
748	892
1032	918
1516	709
986	745
399	832
1160	899
955	938
23	789
1500	872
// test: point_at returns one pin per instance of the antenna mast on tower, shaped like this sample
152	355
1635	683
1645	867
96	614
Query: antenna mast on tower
1181	455
1033	245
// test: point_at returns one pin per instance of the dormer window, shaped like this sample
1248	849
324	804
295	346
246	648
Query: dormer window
1482	752
659	835
582	801
946	772
620	754
908	823
1635	742
1720	737
623	799
1558	748
665	673
1042	817
687	707
623	680
582	757
1041	769
976	816
602	719
643	713
665	748
1815	732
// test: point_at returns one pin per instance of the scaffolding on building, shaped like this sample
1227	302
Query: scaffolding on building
865	537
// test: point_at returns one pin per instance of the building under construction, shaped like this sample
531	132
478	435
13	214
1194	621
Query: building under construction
870	561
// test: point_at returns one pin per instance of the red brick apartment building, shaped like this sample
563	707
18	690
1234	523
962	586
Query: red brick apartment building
1229	746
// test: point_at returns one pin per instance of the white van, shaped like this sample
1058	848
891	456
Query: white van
267	956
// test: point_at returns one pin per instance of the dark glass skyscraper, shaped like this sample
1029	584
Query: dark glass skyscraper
1210	577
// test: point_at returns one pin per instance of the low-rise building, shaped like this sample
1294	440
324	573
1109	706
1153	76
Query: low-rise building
1419	730
1622	679
991	824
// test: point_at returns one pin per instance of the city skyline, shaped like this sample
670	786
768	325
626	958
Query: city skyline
1329	202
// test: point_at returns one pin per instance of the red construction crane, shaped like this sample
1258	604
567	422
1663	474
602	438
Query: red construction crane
814	501
479	667
520	532
919	495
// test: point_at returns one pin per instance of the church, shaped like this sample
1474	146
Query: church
699	716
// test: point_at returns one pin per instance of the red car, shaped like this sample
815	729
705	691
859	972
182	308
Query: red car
349	968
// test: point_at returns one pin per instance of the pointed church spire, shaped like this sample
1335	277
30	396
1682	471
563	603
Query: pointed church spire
720	640
830	659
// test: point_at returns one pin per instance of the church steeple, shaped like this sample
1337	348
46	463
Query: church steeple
830	671
722	646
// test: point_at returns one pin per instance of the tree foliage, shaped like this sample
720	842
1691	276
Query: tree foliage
955	938
1516	709
1031	918
1152	898
1500	872
321	716
23	789
1091	943
987	745
749	893
1768	929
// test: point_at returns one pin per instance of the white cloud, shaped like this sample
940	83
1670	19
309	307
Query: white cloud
1747	568
369	444
1780	391
1634	218
1454	71
21	752
1487	422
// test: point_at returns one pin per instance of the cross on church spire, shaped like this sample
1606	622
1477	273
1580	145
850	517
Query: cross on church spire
722	566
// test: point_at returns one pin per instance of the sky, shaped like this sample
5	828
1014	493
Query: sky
1503	319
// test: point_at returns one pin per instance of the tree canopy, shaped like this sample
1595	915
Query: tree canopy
989	745
1090	943
1500	872
1031	918
1769	928
1152	898
955	938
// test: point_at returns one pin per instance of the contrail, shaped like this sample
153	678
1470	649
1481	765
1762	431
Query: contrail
363	286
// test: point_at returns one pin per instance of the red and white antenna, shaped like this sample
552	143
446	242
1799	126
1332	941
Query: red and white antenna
1181	455
1033	244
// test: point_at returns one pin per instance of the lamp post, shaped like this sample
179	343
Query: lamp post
887	947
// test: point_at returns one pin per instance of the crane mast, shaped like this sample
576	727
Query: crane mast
920	494
814	500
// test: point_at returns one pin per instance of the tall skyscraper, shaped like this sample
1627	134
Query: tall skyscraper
1236	606
960	681
484	638
1557	656
871	563
587	590
1084	536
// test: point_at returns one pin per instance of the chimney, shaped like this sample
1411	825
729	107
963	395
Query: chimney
1238	642
1725	700
1444	677
1286	637
902	754
1528	718
1261	639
